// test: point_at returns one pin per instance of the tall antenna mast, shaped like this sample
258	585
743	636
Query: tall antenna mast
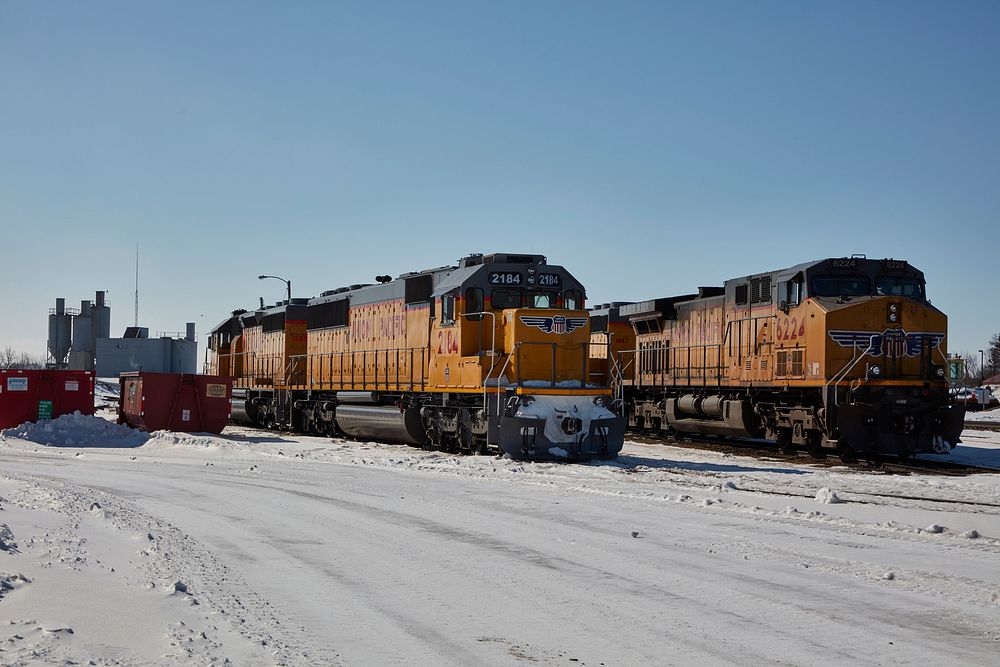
136	284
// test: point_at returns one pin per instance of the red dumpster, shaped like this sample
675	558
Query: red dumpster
175	402
32	395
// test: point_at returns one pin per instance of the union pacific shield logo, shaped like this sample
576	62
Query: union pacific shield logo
891	342
557	325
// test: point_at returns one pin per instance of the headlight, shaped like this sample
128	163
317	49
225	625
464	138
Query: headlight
893	317
874	371
599	401
527	400
892	308
940	372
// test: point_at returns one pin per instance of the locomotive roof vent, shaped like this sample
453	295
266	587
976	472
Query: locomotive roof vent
510	258
705	292
414	274
358	286
299	301
327	292
472	259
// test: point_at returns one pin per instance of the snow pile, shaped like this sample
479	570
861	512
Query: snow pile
827	496
77	430
169	439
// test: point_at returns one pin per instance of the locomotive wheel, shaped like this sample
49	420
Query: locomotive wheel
785	441
814	444
846	452
466	441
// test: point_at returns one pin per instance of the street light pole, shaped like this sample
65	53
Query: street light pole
982	367
288	284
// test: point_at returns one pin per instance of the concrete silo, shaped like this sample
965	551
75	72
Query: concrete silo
81	355
60	331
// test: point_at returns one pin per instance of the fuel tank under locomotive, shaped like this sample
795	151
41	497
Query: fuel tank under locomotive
358	414
381	422
713	415
242	409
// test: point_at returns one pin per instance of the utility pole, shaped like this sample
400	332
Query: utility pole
136	323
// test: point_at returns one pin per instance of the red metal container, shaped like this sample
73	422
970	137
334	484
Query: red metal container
27	396
175	402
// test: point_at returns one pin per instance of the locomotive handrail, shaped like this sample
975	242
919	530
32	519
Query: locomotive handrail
618	371
264	368
848	367
503	370
493	346
672	369
584	349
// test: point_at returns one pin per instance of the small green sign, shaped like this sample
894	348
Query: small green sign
44	410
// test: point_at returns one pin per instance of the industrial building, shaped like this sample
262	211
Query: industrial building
81	340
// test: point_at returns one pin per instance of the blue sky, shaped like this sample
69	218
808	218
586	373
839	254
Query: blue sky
649	147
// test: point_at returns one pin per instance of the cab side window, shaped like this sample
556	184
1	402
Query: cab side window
572	300
448	308
474	303
793	295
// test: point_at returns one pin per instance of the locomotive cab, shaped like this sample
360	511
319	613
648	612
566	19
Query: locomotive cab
886	360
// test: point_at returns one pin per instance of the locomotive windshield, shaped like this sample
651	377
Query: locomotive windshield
861	286
541	300
841	286
503	297
910	287
506	298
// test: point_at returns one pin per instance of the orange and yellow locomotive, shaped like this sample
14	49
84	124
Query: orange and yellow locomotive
493	352
845	353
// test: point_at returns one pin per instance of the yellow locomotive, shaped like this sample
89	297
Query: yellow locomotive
492	352
842	353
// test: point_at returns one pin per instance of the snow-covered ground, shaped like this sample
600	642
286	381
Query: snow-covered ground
983	416
270	549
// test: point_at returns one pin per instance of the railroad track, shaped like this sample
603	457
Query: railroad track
983	426
765	449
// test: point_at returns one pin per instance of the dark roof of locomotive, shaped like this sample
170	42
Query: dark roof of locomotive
859	263
667	307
